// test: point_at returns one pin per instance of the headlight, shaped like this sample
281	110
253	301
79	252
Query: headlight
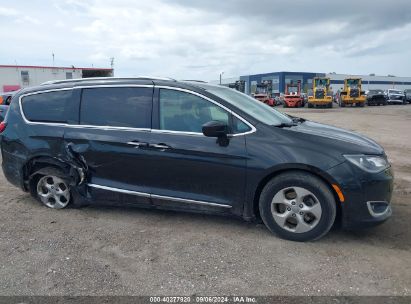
369	163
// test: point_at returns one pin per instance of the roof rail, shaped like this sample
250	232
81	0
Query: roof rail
106	78
194	80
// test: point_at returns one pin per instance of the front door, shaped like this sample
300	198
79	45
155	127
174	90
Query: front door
192	170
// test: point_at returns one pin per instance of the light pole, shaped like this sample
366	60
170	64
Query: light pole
221	76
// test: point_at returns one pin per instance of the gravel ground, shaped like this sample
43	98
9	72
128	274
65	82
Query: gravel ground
129	251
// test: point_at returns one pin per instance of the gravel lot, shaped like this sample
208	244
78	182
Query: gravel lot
117	251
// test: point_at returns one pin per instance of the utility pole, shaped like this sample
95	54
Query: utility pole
112	65
221	75
52	54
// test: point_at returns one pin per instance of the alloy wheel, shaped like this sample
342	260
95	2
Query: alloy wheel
296	209
53	192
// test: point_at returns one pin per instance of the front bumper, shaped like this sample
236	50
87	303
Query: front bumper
293	102
367	195
351	100
317	101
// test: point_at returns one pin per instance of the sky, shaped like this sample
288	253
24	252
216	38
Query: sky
194	39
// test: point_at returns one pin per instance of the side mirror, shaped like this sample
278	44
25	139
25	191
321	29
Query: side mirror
215	128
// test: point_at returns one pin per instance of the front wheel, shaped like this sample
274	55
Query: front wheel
297	206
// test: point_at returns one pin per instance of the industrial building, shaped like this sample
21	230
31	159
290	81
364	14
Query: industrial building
14	77
280	79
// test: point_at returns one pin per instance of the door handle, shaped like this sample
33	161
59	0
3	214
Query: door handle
159	146
137	144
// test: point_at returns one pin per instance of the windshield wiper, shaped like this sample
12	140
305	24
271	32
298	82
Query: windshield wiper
298	119
286	125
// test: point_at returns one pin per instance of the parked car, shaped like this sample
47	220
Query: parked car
395	96
193	146
376	97
3	112
5	98
407	95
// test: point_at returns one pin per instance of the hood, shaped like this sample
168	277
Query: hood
343	140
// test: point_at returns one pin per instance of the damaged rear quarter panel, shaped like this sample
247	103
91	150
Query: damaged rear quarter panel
24	151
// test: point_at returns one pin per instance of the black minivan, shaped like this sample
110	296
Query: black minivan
193	146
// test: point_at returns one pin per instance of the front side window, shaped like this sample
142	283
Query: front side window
116	107
181	111
56	107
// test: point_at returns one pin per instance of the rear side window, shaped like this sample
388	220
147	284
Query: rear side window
116	107
54	107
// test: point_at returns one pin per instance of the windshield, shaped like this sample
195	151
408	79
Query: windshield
292	89
249	105
320	82
375	92
395	92
261	90
353	83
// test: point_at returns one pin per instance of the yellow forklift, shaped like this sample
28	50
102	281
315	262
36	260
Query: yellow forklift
321	95
352	93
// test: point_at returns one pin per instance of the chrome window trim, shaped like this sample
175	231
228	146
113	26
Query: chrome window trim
77	126
156	196
56	124
253	129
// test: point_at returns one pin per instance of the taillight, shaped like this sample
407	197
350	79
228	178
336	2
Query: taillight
3	126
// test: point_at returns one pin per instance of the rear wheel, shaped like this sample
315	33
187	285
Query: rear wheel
297	206
51	187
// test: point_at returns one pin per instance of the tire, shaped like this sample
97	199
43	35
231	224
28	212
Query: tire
310	105
342	105
361	104
297	226
51	187
330	105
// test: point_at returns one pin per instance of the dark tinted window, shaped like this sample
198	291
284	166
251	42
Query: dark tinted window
180	111
239	126
117	107
49	107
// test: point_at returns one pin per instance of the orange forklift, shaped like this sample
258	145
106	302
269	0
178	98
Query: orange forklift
292	97
263	93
